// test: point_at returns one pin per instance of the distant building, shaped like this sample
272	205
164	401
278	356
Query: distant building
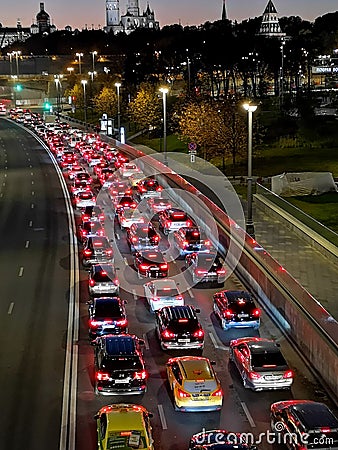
224	11
130	21
270	26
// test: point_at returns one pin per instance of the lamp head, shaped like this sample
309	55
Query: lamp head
249	107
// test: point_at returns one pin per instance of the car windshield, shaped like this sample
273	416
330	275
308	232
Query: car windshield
267	360
184	325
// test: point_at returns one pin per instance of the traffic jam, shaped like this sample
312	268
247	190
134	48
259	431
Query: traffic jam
127	227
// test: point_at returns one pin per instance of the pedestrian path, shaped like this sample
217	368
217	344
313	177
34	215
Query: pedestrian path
317	274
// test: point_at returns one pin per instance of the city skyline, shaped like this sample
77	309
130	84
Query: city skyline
86	13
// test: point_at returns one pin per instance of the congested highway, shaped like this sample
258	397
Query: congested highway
38	276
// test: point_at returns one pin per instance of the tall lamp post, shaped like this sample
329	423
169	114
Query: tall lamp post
57	79
164	91
84	83
118	85
94	53
250	229
281	87
79	55
10	63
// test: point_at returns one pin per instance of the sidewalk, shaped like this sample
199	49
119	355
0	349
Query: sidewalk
308	266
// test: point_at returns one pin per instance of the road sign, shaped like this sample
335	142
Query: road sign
192	146
192	158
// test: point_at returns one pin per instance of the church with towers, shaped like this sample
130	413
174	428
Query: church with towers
131	20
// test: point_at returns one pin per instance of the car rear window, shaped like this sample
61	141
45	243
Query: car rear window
267	360
107	309
178	326
200	385
103	276
124	440
167	292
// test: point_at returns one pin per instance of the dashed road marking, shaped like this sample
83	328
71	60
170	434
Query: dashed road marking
190	293
10	309
27	244
32	205
216	344
20	272
30	223
248	415
162	417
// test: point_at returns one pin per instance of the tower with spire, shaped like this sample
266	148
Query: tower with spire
270	26
130	21
224	11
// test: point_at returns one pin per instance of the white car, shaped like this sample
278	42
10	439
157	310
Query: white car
137	177
126	217
84	198
161	293
128	169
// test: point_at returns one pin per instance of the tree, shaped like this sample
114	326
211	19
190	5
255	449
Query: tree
146	108
106	101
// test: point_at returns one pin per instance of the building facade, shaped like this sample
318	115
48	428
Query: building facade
270	26
131	20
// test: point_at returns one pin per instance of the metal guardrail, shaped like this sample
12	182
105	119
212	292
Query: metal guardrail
307	220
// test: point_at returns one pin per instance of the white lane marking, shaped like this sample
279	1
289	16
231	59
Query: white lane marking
134	294
11	307
20	272
32	205
125	261
5	175
27	244
4	184
32	173
30	223
216	344
162	417
38	229
30	166
28	159
33	193
118	237
1	195
190	293
248	415
32	182
146	342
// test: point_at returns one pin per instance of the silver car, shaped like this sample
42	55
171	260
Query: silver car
103	280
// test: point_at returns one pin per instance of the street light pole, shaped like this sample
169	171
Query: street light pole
79	55
281	87
118	85
94	53
164	97
250	229
10	63
84	82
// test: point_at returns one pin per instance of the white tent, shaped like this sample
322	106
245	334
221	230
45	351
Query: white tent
303	183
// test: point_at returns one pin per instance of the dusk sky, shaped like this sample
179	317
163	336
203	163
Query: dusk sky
77	13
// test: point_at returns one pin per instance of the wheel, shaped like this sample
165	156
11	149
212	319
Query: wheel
165	231
231	355
139	275
244	380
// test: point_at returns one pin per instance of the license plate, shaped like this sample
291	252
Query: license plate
123	381
183	340
273	377
241	316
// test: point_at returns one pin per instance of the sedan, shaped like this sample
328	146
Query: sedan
103	280
206	267
150	264
160	293
156	205
260	364
84	199
142	237
107	315
126	217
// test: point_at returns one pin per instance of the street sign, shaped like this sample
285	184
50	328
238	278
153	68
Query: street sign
192	158
192	146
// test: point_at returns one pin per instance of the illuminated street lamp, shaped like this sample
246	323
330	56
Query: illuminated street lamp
17	54
70	70
58	86
164	91
118	85
79	55
84	83
92	75
94	53
10	63
250	229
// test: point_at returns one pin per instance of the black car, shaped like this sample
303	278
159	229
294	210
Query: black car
219	440
206	267
107	315
177	327
305	424
148	188
236	309
93	213
188	240
96	250
142	236
119	365
150	263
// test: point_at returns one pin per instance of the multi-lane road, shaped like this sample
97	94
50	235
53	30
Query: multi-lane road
47	394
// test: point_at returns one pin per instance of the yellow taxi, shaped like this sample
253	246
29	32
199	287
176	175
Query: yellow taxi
124	426
194	384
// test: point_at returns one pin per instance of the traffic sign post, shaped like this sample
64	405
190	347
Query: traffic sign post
192	157
192	147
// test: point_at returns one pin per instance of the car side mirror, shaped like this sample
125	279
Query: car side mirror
150	415
94	343
141	342
125	302
197	310
97	416
213	363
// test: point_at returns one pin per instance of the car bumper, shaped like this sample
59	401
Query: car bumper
270	385
199	406
103	290
89	262
121	391
248	324
181	345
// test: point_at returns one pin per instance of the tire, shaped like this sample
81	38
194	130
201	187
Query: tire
244	380
165	232
231	355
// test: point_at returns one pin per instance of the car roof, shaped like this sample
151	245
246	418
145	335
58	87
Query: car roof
164	283
263	346
196	367
180	312
315	415
125	417
234	296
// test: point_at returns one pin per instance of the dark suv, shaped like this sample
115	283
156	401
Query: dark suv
119	365
236	309
178	327
188	240
107	315
97	249
305	424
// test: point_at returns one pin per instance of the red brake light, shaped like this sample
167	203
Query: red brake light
185	243
102	376
159	188
256	312
164	266
199	334
183	394
220	271
166	334
218	393
254	375
188	223
87	252
144	266
288	374
91	283
109	252
228	313
94	323
121	323
140	375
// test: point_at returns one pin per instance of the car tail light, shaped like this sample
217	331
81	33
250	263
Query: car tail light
220	271
143	189
102	376
155	299
144	266
288	374
116	281
188	223
166	334
199	334
109	252
183	394
134	239
87	252
133	205
228	313
254	375
121	323
164	266
195	233
256	312
101	233
91	283
142	375
325	429
185	243
168	224
94	323
159	189
218	393
83	233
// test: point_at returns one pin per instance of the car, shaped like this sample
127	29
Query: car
194	384
79	186
68	159
75	170
136	178
155	204
106	177
219	440
160	293
94	158
177	327
150	263
124	426
236	309
305	424
206	267
126	217
119	365
173	219
148	188
97	250
84	198
118	189
260	364
127	169
90	228
124	202
107	315
188	240
142	236
93	213
83	176
103	279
